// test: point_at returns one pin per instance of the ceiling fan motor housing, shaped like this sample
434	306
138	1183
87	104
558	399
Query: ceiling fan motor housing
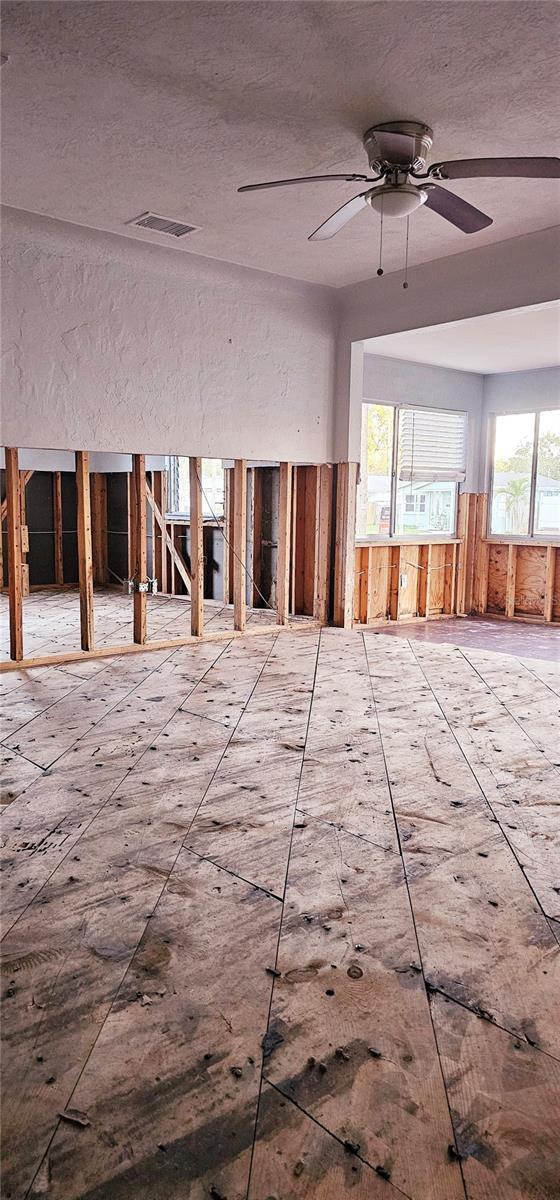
404	145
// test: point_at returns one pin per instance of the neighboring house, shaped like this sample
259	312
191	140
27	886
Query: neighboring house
421	507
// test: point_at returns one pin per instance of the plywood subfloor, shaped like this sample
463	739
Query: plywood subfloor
281	921
51	619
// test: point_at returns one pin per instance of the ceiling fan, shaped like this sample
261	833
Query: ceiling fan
397	153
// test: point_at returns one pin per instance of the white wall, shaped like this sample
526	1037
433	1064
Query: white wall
515	392
396	381
494	278
111	345
64	460
522	391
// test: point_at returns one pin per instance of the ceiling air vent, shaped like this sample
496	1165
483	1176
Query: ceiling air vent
166	225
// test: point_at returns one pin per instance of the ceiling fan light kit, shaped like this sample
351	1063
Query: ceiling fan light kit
397	154
397	200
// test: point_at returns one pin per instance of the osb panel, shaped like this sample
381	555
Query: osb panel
408	591
530	577
360	583
378	581
497	575
440	555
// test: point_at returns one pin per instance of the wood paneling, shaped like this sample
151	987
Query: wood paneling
530	580
497	578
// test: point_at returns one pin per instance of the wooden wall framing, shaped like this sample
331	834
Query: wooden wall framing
138	497
85	556
320	570
400	581
197	547
239	544
13	517
344	550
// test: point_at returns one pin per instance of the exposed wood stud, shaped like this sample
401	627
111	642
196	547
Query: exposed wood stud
138	521
197	547
297	539
322	555
85	559
284	542
450	592
13	515
510	581
24	533
424	580
394	578
227	569
344	563
239	544
25	477
57	526
480	581
549	582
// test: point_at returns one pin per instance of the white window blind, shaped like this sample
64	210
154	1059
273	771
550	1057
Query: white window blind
432	446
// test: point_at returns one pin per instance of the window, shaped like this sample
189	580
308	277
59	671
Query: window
212	486
374	493
412	462
525	493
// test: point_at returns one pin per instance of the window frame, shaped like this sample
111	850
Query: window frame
391	536
529	538
176	514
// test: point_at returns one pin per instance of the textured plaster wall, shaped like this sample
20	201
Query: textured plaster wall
113	346
506	275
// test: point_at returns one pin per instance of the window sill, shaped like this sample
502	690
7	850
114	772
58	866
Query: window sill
424	540
517	540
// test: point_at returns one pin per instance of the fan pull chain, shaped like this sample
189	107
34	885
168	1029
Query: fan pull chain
405	284
380	268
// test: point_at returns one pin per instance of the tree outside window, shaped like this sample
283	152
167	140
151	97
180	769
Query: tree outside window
526	475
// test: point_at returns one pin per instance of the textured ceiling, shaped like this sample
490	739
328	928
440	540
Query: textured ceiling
519	340
111	109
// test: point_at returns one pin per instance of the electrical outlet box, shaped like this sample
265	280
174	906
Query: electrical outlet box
403	581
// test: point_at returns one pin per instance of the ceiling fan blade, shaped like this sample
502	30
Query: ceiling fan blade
255	187
497	168
456	210
339	219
